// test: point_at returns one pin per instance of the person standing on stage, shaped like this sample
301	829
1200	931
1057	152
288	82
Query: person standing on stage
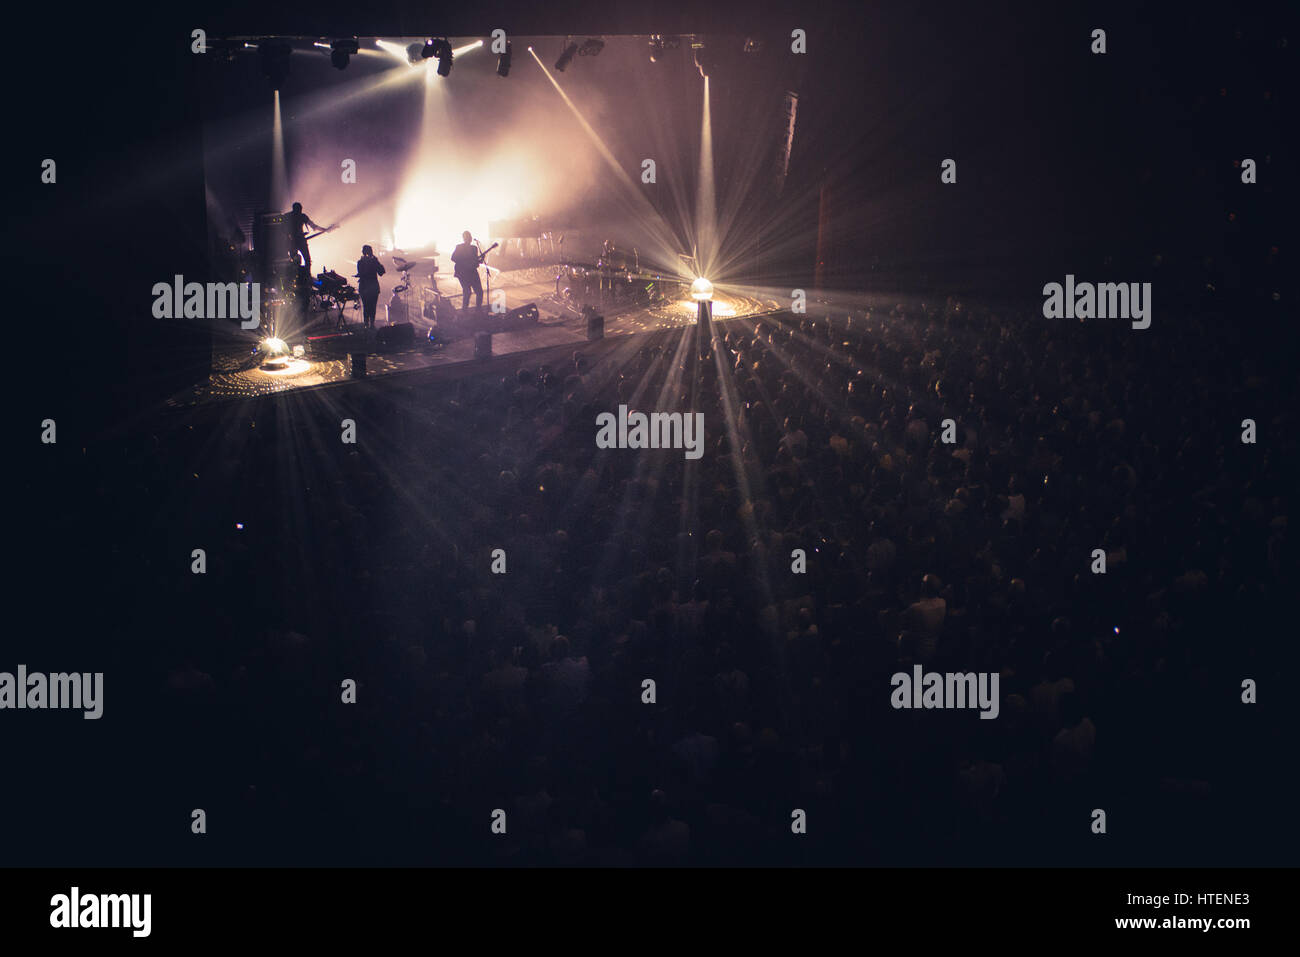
298	223
369	269
466	259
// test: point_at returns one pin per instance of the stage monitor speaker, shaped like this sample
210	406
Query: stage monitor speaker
398	335
482	345
526	313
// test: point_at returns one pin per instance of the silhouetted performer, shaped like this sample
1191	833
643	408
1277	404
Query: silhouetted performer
369	269
298	223
466	258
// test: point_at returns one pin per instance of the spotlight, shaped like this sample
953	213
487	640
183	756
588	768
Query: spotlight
753	45
591	47
566	57
273	52
701	290
429	49
341	50
503	61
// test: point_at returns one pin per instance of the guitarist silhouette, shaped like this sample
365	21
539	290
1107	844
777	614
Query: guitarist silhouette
298	223
466	259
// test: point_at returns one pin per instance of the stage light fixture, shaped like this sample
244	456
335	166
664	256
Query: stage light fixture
566	57
273	54
656	49
341	50
701	290
753	45
503	61
591	47
429	49
415	53
445	55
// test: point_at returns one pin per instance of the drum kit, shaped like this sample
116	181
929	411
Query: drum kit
332	291
615	278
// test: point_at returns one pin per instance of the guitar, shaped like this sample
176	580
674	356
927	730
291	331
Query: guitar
481	256
327	229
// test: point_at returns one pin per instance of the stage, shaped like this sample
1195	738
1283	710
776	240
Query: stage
327	348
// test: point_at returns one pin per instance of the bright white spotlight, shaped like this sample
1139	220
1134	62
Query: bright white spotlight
275	346
701	290
395	50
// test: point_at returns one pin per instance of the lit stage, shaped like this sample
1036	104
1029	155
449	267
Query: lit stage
238	372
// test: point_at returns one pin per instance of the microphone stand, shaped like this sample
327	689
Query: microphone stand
483	263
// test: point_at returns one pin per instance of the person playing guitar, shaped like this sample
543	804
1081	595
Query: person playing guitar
298	223
466	258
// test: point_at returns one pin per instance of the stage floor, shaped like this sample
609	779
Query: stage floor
237	373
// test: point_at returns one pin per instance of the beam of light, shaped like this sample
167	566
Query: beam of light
396	50
443	193
706	213
634	516
737	439
279	173
236	133
660	233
